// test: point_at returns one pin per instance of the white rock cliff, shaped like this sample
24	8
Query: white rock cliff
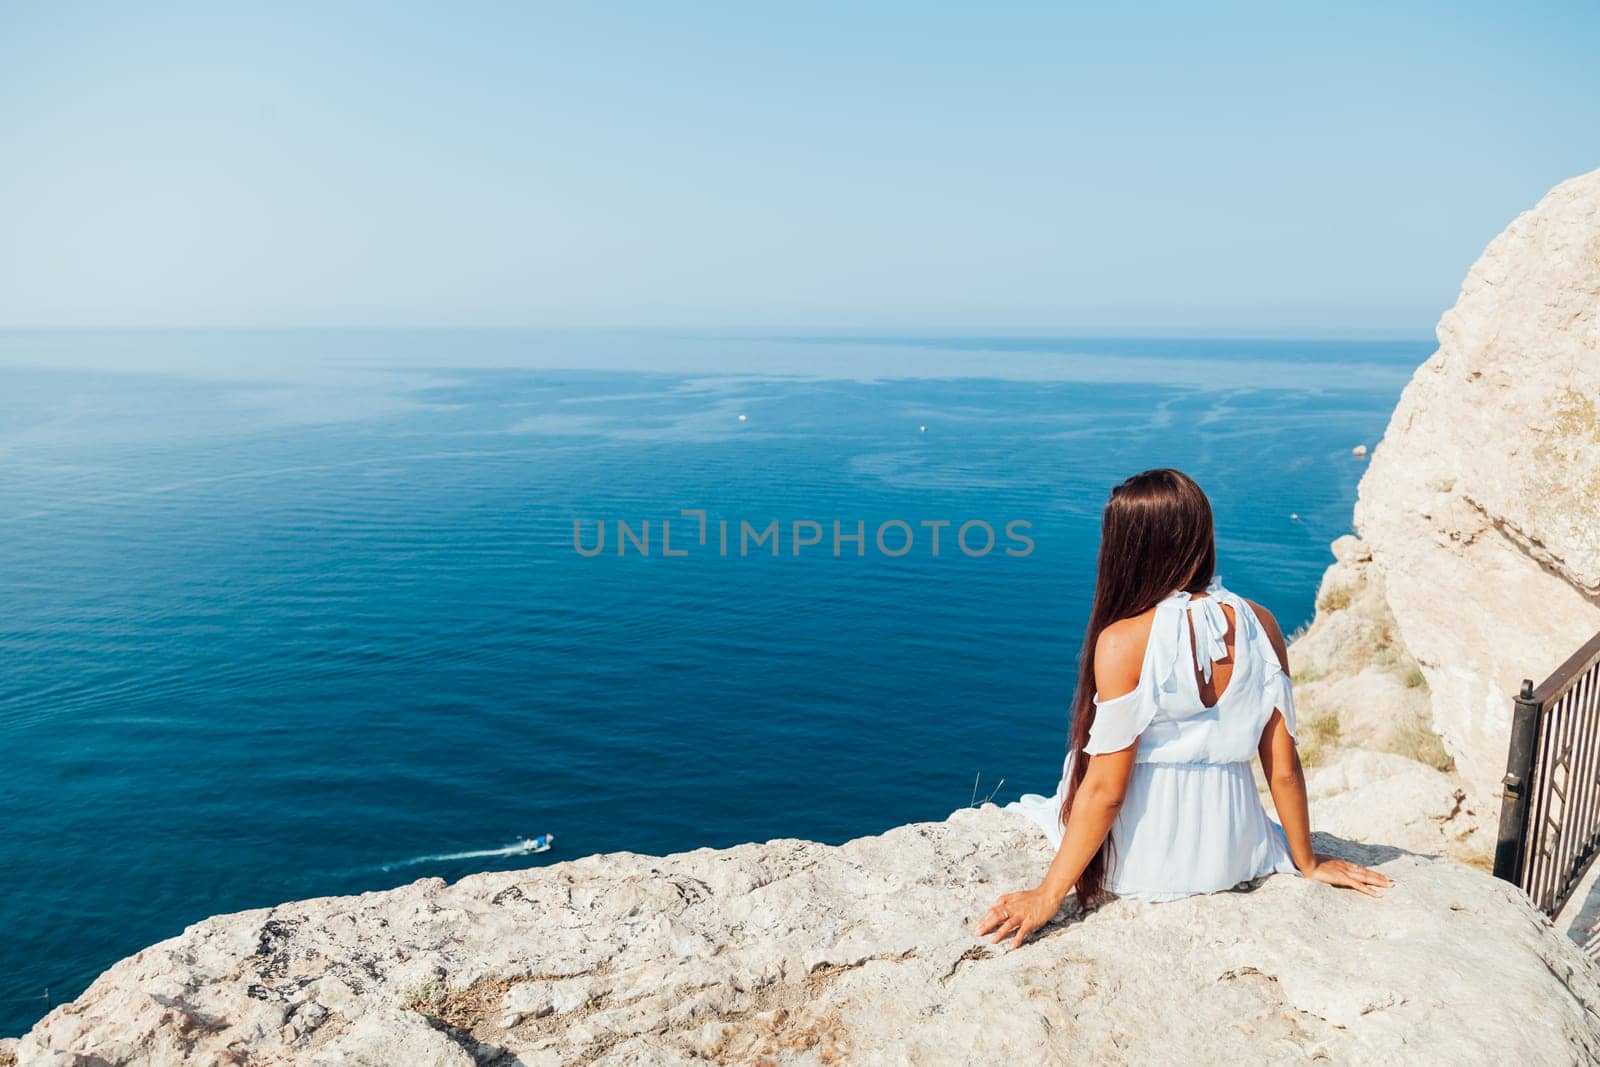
1481	509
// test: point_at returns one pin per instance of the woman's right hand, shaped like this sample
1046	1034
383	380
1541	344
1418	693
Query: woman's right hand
1346	875
1017	915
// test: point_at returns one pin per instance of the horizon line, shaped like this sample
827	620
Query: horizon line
813	329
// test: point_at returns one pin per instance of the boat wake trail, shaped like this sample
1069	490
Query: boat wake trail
526	847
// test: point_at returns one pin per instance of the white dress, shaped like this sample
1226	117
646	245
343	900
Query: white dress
1192	821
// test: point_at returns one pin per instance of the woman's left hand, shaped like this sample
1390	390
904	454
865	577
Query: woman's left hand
1016	915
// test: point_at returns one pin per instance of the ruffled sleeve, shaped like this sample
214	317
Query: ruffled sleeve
1119	722
1276	687
1279	692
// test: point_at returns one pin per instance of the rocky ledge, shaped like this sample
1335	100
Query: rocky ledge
799	952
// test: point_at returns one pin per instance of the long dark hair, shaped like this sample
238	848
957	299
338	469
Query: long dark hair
1155	539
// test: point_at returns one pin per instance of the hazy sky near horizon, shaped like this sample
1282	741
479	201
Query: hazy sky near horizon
1260	167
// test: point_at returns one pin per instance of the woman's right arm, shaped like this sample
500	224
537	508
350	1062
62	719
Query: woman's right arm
1280	760
1118	657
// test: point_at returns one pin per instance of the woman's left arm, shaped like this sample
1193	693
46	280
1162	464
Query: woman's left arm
1094	809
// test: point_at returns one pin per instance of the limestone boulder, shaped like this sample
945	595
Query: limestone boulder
1481	506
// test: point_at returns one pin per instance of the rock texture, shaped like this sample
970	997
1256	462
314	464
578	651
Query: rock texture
1380	797
1481	509
798	952
1350	664
1377	769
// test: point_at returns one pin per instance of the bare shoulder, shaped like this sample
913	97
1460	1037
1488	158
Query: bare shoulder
1274	633
1119	655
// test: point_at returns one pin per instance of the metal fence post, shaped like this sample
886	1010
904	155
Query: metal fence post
1511	848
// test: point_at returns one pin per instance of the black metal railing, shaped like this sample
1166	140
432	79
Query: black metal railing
1550	810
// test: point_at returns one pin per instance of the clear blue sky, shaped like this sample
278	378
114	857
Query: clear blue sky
1255	167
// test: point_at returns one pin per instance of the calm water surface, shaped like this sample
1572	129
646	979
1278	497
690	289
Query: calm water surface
293	614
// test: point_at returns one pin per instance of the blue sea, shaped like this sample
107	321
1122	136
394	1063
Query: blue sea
294	613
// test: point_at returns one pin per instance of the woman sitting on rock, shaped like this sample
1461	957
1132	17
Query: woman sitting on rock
1180	683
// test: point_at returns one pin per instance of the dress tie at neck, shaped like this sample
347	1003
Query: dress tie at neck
1210	627
1210	631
